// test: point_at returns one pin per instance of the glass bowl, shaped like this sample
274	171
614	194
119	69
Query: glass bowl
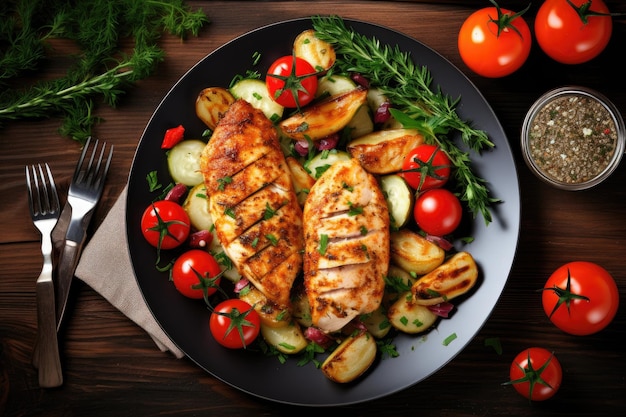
573	138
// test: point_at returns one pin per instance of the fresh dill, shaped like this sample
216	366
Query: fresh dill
100	70
416	104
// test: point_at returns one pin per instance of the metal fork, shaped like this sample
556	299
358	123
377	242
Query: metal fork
45	210
83	195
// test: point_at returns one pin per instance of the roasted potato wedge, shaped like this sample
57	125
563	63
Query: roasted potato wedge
302	181
383	151
455	277
271	314
414	253
351	358
286	339
315	51
324	118
410	317
377	323
211	104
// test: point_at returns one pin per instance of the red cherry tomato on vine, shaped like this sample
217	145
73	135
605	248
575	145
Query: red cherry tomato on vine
196	274
580	298
291	81
494	42
165	224
234	323
426	167
567	32
438	212
536	374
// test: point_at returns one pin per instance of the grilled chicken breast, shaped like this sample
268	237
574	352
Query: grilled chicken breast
252	201
346	234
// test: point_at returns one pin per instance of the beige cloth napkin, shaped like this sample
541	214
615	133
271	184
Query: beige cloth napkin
106	267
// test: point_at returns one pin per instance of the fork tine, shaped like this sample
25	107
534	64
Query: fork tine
78	172
55	205
44	197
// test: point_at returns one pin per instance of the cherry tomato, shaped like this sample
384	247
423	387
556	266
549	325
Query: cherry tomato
494	42
426	167
196	274
234	323
568	34
438	212
165	224
580	298
291	81
536	374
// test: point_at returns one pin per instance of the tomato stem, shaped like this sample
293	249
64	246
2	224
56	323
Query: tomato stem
531	375
505	20
584	11
163	228
237	320
293	83
565	295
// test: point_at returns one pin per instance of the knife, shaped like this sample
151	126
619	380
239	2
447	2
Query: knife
72	247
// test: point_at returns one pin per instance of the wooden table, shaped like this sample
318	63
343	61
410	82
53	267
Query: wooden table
112	367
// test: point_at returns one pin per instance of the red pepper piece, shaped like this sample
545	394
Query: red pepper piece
172	137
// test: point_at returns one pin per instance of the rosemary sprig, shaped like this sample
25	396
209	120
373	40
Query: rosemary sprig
100	70
417	105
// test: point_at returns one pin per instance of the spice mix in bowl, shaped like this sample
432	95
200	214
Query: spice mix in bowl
573	138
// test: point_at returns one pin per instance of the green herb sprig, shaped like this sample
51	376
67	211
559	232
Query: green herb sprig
101	69
416	104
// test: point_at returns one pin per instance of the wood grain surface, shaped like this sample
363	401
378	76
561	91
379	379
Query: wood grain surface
113	368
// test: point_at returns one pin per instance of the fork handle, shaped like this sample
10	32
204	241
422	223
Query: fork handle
47	348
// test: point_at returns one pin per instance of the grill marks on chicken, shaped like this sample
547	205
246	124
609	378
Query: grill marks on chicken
252	201
346	233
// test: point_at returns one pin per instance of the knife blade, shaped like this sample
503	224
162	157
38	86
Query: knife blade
70	249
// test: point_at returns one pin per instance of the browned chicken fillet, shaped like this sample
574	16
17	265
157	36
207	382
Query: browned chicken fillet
346	234
252	201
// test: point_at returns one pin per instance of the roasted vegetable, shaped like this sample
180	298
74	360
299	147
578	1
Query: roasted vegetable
455	277
414	253
211	104
318	53
322	119
383	151
351	358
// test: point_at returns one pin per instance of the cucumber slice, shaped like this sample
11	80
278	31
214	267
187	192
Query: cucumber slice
255	92
334	84
323	160
183	162
399	198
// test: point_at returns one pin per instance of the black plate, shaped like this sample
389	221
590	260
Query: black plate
185	321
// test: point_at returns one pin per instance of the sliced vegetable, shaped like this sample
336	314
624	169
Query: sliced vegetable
383	151
399	198
183	162
173	136
351	358
413	253
255	92
322	119
211	105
